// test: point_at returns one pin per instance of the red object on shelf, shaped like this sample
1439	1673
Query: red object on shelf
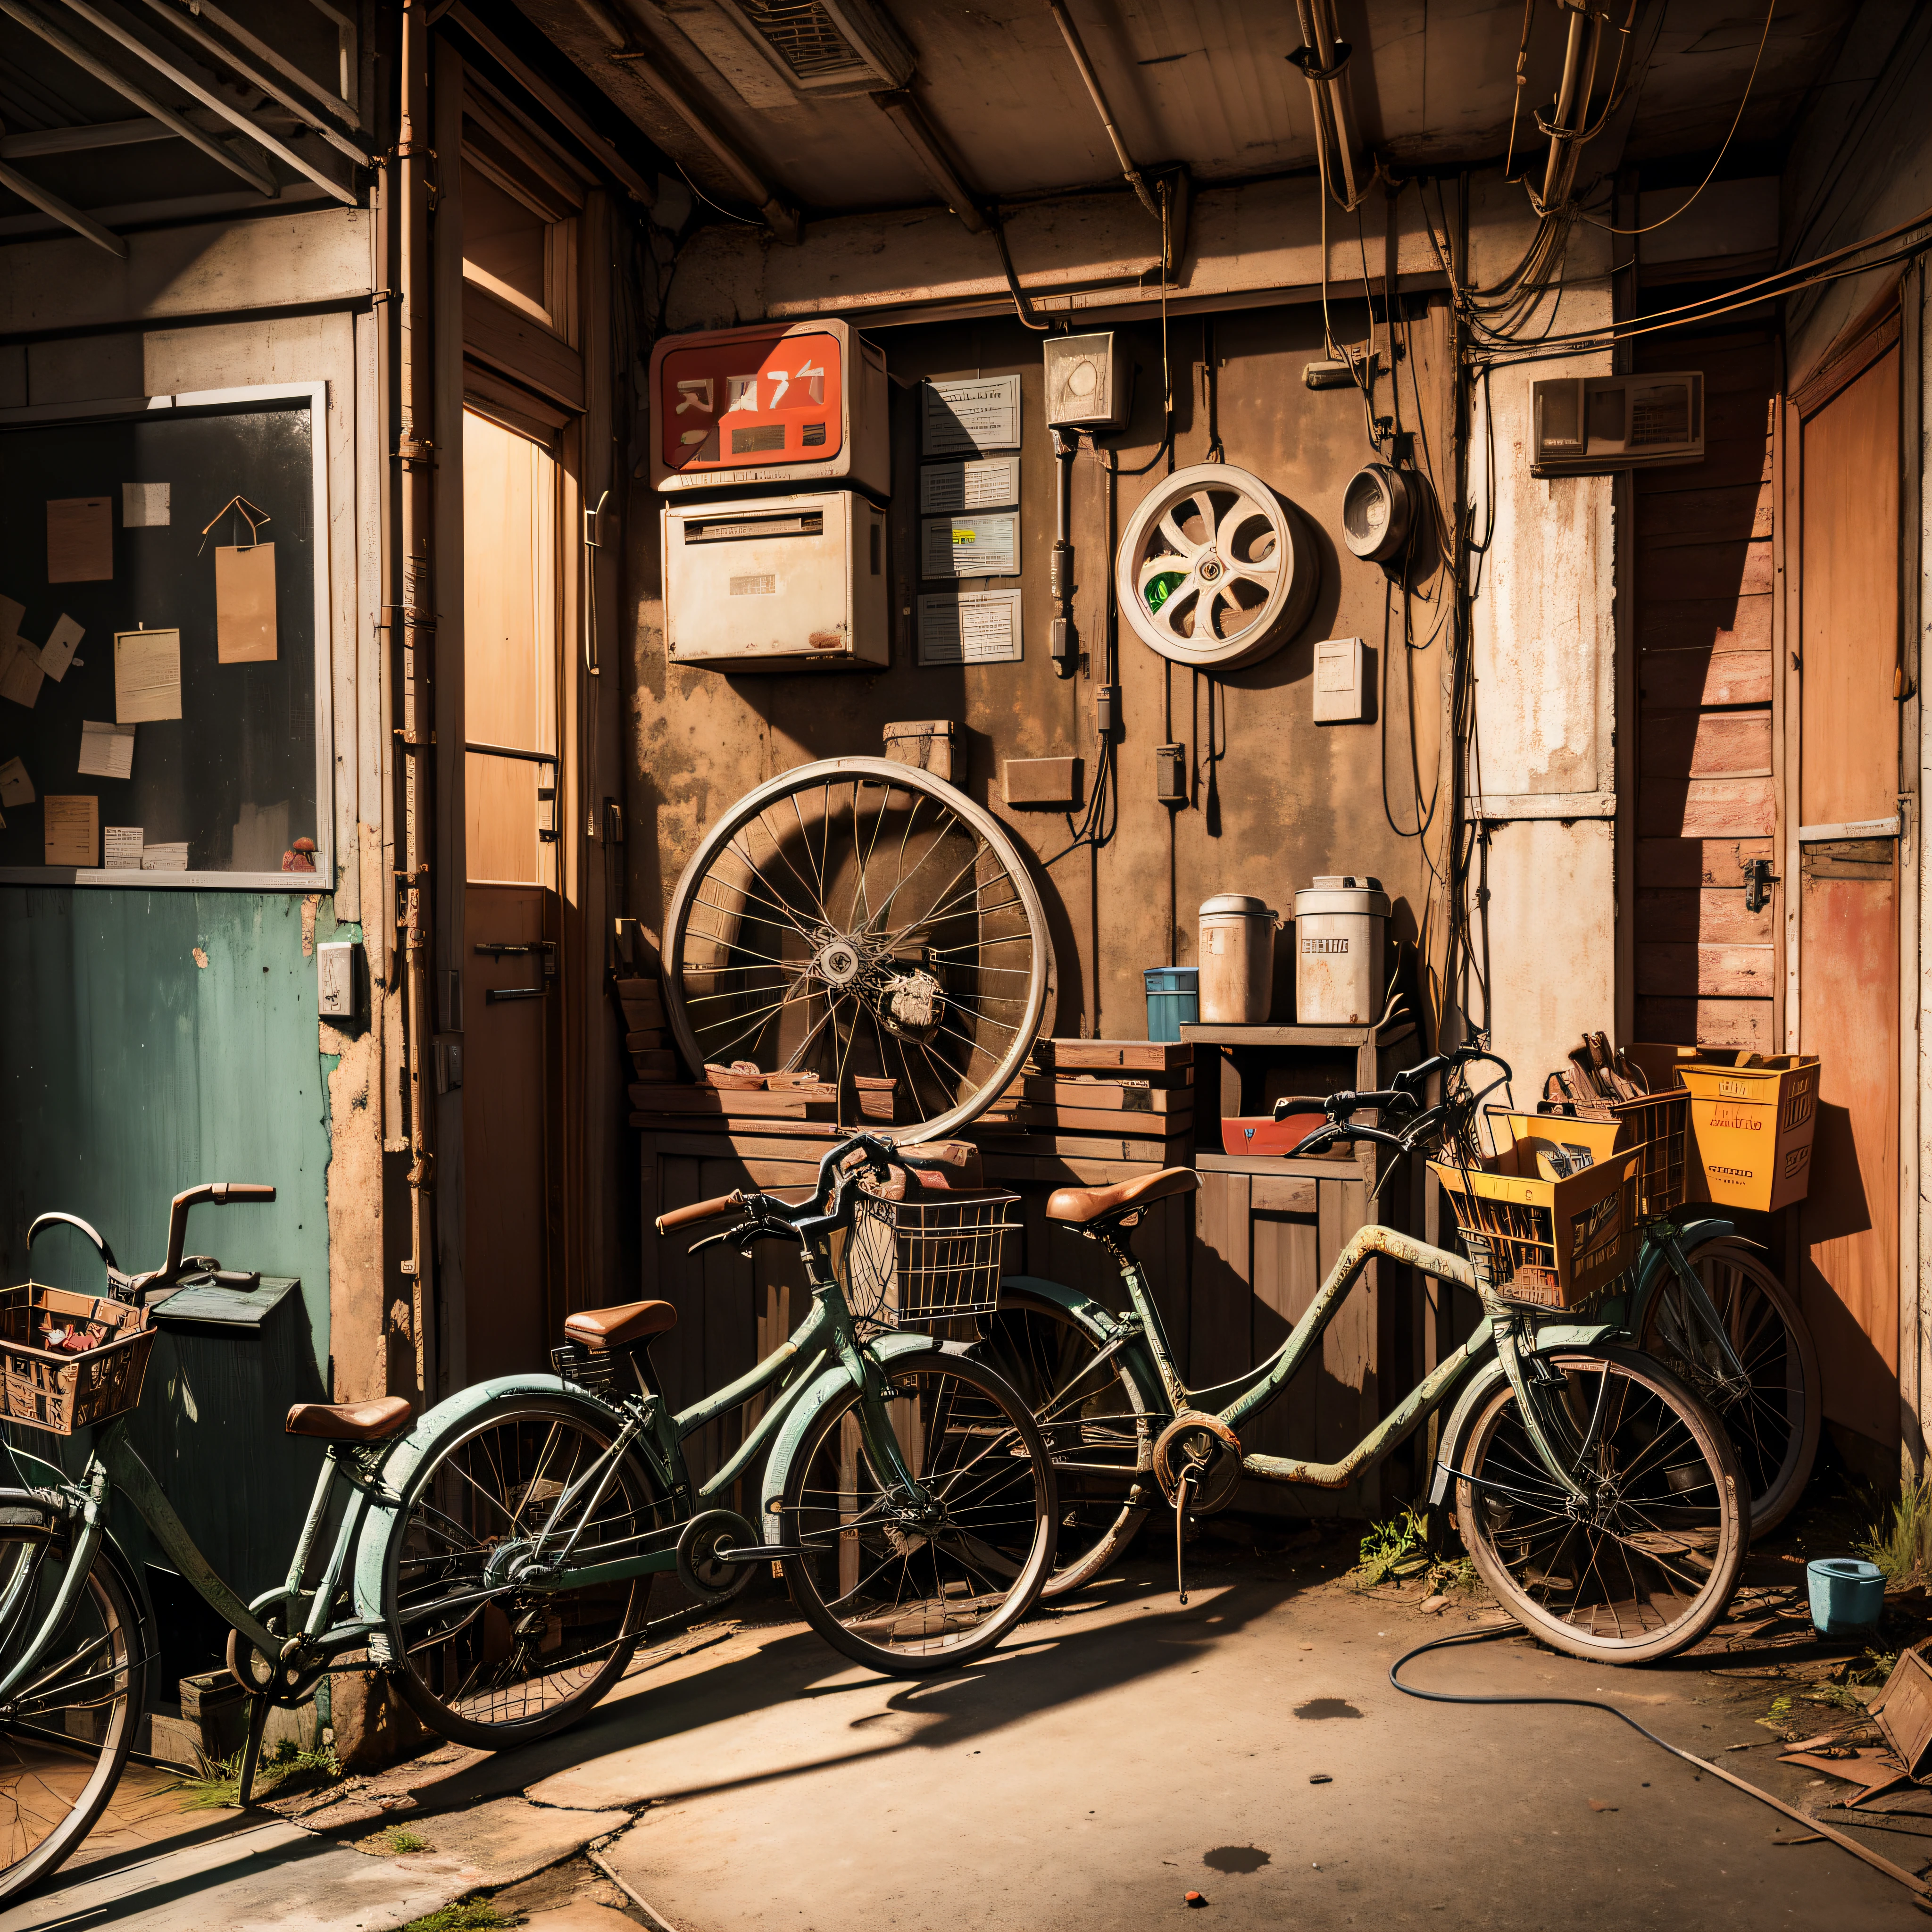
1258	1134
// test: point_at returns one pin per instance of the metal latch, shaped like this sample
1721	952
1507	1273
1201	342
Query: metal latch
1759	879
499	949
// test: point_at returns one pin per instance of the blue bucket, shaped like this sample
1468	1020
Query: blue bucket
1173	998
1847	1594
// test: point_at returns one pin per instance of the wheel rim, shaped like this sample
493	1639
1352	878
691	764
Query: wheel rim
1215	569
59	1755
517	1659
904	1588
865	924
1641	1562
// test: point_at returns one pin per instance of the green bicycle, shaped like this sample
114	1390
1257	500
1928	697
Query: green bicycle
1599	1497
492	1559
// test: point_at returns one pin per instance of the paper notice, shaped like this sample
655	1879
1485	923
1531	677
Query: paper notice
147	676
106	751
145	505
20	673
170	857
244	604
16	786
80	539
121	848
57	653
72	830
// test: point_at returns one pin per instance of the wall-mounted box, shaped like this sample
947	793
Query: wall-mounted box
1043	783
1340	696
731	407
934	745
1590	425
776	582
1089	384
338	976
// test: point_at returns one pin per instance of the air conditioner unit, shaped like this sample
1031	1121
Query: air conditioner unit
776	403
1589	425
827	46
1088	384
776	582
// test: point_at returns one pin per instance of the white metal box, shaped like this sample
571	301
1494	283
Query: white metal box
776	582
1340	697
777	402
1089	384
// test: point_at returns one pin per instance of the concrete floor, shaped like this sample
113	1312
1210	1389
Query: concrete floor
1122	1752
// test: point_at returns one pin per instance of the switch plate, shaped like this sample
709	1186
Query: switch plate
1340	695
338	972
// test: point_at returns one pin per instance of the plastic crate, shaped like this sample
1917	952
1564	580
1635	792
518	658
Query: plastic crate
1656	1127
1750	1128
1551	1243
59	1391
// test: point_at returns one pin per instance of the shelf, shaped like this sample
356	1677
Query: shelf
1194	1034
1292	1170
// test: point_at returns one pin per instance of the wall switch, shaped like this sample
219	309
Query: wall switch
338	964
1340	696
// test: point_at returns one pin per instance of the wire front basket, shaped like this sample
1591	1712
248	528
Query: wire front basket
911	1263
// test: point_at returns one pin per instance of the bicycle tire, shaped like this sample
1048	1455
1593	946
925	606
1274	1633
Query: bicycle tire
863	1586
459	1673
64	1780
1088	1416
1694	1512
1775	1449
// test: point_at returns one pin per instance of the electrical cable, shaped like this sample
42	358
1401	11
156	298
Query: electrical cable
1913	1884
1020	308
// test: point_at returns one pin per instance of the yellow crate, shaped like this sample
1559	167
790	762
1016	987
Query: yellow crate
1655	1126
1751	1128
1553	1243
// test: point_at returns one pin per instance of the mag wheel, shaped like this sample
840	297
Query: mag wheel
1645	1565
906	1590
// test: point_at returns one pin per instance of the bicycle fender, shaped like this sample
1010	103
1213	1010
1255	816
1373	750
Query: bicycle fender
1549	1339
405	1455
1098	1320
1656	1263
831	1384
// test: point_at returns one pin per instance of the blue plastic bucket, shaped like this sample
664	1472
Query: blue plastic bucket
1173	998
1847	1594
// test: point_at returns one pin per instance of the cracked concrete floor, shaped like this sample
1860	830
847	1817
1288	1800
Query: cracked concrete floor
1119	1753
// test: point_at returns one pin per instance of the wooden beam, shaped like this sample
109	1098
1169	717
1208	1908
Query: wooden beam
52	204
78	140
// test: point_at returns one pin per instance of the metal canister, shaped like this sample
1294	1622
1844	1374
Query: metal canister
1236	960
1339	925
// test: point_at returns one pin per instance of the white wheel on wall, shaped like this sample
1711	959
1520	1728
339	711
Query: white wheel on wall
1215	569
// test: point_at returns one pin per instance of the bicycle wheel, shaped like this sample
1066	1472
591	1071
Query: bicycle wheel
1646	1566
65	1736
866	923
523	1664
903	1592
1774	1423
1099	1425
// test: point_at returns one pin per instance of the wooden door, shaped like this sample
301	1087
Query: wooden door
512	1021
1848	916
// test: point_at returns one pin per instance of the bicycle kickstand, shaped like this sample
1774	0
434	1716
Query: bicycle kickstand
1182	1490
251	1751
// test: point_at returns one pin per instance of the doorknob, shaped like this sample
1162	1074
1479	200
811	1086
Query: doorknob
498	949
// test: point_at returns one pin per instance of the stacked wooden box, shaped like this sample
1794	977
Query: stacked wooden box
646	1038
1098	1100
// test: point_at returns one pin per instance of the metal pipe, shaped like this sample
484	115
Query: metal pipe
49	203
1059	630
1070	34
210	100
1566	98
1324	94
258	178
905	113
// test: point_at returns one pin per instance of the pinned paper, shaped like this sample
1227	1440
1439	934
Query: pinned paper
244	604
147	676
20	673
57	653
72	830
121	848
146	506
106	751
80	539
168	857
16	786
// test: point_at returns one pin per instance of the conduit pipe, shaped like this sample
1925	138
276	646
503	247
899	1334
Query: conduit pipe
1070	34
1322	58
1557	170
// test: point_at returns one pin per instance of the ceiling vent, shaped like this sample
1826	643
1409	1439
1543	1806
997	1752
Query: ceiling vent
827	46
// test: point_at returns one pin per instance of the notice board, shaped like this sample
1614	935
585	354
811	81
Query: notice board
163	626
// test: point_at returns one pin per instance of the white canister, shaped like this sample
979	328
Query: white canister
1339	925
1236	960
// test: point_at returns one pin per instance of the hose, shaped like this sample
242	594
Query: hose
1916	1885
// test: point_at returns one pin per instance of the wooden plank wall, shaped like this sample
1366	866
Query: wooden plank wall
1706	967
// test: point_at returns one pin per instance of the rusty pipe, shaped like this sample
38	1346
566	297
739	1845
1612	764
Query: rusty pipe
1070	34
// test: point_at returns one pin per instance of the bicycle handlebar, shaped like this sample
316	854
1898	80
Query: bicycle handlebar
700	1210
221	1194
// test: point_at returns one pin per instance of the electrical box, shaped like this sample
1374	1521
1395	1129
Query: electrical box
774	403
1089	385
1589	425
1054	782
777	583
1340	695
338	976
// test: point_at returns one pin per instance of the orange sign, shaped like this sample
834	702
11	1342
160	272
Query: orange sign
757	403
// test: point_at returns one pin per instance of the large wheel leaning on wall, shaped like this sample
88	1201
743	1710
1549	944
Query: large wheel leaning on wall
1215	569
867	923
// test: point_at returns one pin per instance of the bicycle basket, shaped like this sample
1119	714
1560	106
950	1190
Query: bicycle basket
45	1386
911	1262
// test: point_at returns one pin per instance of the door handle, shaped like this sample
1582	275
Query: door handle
544	949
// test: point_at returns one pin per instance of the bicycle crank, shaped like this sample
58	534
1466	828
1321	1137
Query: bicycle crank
715	1555
1203	1450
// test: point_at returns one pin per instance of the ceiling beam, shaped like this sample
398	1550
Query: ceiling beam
338	104
52	204
210	99
258	178
78	139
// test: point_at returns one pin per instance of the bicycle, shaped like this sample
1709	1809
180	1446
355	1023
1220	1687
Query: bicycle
493	1557
1598	1497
